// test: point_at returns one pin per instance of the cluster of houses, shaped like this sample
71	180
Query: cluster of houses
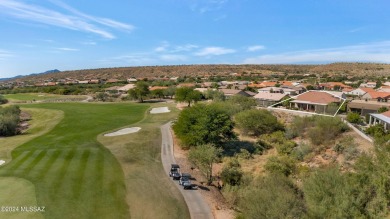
364	100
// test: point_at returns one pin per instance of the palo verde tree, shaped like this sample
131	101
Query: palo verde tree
203	156
186	94
203	124
140	91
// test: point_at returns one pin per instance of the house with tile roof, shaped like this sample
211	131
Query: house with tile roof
369	84
316	101
364	107
377	96
333	86
281	90
359	92
266	99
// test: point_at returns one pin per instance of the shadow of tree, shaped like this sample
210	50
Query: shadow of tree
233	147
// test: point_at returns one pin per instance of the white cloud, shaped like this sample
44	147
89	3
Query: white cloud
173	57
5	55
75	20
185	48
104	21
203	6
369	52
255	48
67	49
136	59
214	51
163	47
90	43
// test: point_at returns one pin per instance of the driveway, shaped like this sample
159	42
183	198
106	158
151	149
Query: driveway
197	206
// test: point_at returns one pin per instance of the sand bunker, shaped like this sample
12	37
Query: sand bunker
123	131
160	110
2	162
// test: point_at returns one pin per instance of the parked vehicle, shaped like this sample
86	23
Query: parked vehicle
185	181
175	172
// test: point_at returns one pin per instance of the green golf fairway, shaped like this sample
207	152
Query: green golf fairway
73	174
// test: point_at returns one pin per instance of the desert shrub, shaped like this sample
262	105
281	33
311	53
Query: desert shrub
9	120
244	154
299	125
231	172
3	100
348	147
245	103
329	194
286	147
280	165
273	196
376	130
354	117
278	141
326	129
301	151
256	122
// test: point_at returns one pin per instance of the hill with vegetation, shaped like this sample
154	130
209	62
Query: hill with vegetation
353	69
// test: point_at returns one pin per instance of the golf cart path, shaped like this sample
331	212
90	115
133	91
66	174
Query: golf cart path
197	206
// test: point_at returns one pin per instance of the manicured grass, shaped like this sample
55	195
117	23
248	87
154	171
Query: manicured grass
43	120
37	97
17	192
151	194
74	175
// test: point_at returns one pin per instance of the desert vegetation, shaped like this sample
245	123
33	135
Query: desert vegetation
9	120
290	186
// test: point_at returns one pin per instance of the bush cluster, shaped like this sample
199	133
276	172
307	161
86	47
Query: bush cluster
9	120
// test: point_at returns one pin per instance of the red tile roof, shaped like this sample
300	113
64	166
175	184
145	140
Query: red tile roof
317	97
376	94
268	83
367	89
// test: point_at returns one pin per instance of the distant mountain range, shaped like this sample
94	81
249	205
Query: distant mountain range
33	74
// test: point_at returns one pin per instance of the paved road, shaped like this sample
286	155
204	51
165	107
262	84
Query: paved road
197	206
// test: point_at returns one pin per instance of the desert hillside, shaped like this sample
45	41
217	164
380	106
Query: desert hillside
353	69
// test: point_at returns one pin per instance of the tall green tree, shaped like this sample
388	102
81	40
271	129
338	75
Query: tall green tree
203	157
140	91
187	94
203	124
170	91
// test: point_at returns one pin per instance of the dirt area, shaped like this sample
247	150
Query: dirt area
181	106
23	124
221	209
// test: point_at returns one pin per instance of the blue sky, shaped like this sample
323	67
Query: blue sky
39	35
